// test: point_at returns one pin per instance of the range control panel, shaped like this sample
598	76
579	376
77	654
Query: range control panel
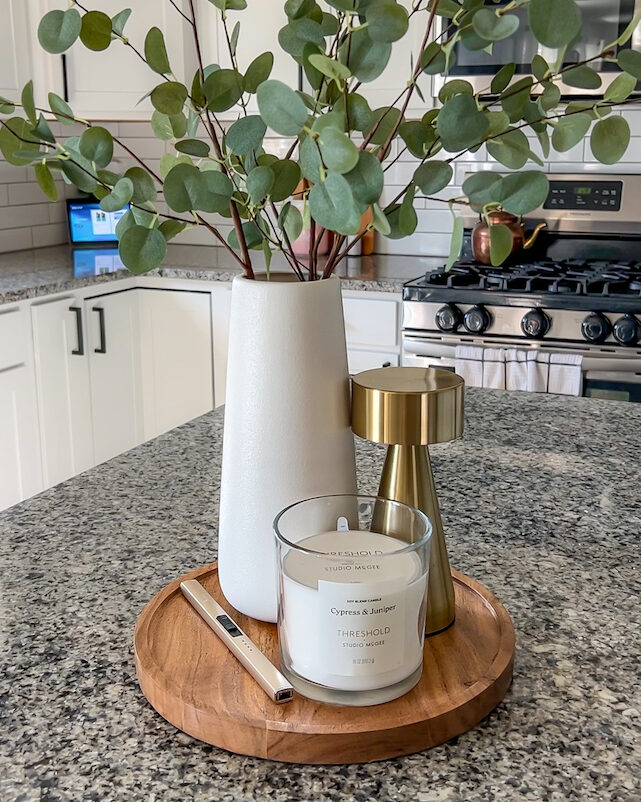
604	196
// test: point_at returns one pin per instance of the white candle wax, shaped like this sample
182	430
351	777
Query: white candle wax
353	623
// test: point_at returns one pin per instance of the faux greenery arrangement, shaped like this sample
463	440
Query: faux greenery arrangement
340	142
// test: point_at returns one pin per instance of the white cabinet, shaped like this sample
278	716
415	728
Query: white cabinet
62	381
176	358
221	310
109	84
113	340
15	48
20	472
372	329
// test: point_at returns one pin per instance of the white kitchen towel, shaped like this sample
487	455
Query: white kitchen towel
538	371
469	364
515	369
494	368
566	374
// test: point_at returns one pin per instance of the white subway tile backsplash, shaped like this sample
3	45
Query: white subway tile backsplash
25	193
15	239
19	216
53	234
145	148
10	174
4	195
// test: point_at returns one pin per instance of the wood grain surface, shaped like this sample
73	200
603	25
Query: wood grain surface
194	682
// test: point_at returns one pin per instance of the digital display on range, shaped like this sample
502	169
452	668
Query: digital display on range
603	196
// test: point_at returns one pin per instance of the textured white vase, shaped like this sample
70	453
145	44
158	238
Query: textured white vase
287	435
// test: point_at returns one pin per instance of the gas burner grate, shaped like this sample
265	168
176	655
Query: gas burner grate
568	277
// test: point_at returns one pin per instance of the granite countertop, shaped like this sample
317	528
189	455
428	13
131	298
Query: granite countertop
540	503
44	271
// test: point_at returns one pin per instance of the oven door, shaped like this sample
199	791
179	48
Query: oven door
606	374
603	22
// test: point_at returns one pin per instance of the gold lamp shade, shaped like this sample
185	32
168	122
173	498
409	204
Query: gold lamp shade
407	409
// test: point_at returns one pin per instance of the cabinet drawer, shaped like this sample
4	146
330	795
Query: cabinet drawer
13	345
368	360
371	322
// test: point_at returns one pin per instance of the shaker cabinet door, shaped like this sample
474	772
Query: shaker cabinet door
62	381
15	48
176	352
113	341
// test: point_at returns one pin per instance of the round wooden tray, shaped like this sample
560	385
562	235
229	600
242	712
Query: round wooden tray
194	682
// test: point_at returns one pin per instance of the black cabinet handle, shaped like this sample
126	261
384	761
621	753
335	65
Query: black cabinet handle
65	79
102	349
80	350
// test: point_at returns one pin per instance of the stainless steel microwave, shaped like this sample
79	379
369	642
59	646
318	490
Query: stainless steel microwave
603	22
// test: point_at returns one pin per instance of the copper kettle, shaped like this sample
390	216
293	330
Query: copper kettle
481	234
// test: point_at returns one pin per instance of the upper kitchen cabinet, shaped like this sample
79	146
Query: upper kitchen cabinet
109	84
258	33
15	48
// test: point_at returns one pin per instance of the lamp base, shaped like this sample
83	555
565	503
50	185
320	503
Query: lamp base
407	477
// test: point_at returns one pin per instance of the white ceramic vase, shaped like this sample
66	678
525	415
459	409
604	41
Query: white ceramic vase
287	435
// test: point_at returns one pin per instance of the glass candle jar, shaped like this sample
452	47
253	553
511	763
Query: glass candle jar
353	576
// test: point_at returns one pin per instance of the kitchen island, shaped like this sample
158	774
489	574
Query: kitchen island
540	504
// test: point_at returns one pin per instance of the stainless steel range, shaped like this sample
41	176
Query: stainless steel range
579	294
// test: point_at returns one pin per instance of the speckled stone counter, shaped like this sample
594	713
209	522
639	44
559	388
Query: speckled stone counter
44	271
540	503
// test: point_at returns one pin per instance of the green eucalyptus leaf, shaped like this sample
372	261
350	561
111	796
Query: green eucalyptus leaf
511	149
287	175
514	98
540	67
246	135
630	61
610	139
418	137
330	68
433	59
166	127
43	131
46	181
358	116
455	87
126	221
12	133
365	58
479	187
97	145
156	51
187	188
95	31
554	23
119	196
169	97
407	219
493	27
281	108
193	147
60	109
298	8
58	30
339	152
366	179
456	242
544	141
582	77
28	103
386	22
621	88
380	221
253	236
501	243
258	71
171	228
385	121
329	24
502	79
7	106
433	176
332	205
498	121
78	170
233	39
522	193
569	131
445	8
290	220
223	89
299	32
310	159
119	21
259	183
460	124
142	249
550	97
144	188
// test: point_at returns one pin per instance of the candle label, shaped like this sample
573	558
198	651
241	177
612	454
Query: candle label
361	627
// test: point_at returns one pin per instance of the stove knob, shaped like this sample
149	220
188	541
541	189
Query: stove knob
448	318
596	327
535	324
476	320
626	330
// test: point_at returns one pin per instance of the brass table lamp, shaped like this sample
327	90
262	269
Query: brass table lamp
407	409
